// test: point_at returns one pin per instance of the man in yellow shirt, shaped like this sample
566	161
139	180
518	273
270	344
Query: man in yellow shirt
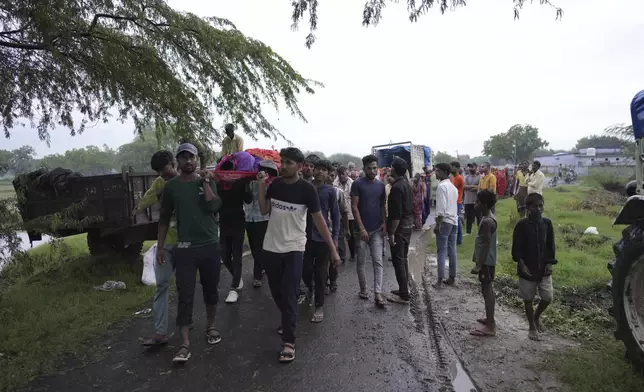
521	188
488	181
164	164
231	143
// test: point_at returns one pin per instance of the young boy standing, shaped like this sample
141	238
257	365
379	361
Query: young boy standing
288	200
164	164
316	255
533	248
485	259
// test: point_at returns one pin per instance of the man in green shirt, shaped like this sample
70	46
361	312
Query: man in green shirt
192	198
164	164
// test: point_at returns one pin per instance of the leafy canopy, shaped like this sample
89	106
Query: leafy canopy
373	9
515	145
137	59
599	141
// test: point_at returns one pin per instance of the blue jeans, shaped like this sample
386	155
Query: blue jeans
162	273
446	244
459	238
375	246
284	272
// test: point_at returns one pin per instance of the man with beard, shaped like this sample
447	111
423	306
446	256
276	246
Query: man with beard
316	255
400	223
288	200
344	183
368	203
193	199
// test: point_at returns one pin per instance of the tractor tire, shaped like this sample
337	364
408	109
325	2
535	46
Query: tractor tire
112	246
628	301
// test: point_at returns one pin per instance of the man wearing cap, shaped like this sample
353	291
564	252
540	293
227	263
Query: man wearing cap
232	142
192	198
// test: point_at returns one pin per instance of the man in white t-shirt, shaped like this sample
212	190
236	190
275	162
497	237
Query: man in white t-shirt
536	179
288	199
446	228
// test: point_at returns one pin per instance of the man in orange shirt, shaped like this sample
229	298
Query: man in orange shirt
459	183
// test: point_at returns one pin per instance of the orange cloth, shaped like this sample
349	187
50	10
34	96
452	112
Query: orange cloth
459	183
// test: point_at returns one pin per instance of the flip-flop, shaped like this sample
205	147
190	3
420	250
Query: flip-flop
287	356
363	295
213	335
317	318
183	355
155	341
481	333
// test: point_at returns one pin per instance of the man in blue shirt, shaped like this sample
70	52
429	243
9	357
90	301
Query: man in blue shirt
317	252
368	205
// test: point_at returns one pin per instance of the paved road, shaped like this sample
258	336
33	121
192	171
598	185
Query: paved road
357	348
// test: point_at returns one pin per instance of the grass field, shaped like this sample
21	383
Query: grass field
50	310
580	277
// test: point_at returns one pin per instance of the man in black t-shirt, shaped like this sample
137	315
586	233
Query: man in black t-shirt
288	199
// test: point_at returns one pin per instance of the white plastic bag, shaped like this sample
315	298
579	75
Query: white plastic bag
592	230
149	258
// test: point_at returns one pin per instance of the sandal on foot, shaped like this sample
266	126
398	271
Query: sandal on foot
213	335
482	333
317	318
334	287
183	355
380	302
363	295
257	283
287	356
157	340
482	321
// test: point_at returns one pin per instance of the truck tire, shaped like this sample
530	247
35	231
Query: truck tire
628	301
112	246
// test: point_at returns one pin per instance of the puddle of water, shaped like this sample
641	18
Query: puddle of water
460	379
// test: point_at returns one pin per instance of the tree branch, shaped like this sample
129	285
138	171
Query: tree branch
23	45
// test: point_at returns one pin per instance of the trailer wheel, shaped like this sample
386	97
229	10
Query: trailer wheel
112	246
628	302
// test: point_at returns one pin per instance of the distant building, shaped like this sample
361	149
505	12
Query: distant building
586	157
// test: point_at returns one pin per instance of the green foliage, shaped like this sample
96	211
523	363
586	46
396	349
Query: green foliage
599	141
609	180
372	13
344	159
515	145
5	162
624	133
443	157
89	161
22	160
140	60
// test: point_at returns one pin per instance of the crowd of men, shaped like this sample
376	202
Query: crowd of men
303	223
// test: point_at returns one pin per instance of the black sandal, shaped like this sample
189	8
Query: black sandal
287	356
183	355
213	335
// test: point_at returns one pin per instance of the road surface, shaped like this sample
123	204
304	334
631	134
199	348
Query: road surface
358	347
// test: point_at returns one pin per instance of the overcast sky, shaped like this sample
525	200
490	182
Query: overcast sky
448	81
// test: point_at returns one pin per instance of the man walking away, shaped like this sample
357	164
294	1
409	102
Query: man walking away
446	224
485	259
533	248
232	143
256	225
521	188
488	180
469	197
288	200
193	199
368	204
400	222
459	183
231	232
316	255
536	179
164	164
344	183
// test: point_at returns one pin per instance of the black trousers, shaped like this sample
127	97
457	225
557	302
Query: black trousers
316	267
470	215
231	238
206	260
284	272
256	232
399	257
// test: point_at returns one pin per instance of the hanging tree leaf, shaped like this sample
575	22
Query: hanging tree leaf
137	59
372	12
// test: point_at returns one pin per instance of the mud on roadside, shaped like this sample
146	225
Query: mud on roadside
507	362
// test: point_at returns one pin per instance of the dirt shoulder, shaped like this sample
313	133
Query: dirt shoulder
507	362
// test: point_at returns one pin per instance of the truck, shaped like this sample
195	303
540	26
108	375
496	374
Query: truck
627	268
417	156
103	205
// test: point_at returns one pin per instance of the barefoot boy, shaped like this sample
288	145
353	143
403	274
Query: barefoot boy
533	248
485	259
